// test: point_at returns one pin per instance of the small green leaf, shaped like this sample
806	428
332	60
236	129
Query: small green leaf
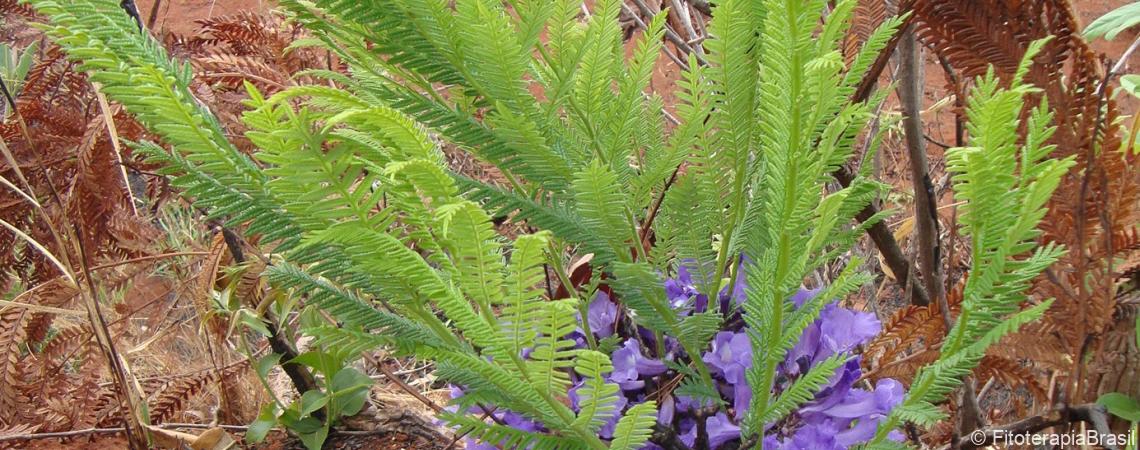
302	426
266	420
351	390
264	365
1121	406
1131	84
314	440
1115	21
311	318
349	378
312	401
315	359
247	318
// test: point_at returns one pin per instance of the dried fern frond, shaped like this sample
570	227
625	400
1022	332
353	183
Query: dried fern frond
1011	373
12	336
174	393
866	17
913	326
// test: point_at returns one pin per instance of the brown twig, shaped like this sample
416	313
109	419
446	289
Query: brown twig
116	430
301	377
641	24
879	232
885	242
670	35
408	389
926	212
153	14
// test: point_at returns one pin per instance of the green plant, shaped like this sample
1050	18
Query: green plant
1126	408
1006	183
14	66
350	194
1113	22
345	392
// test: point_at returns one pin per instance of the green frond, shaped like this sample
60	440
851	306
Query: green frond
553	215
475	250
480	377
642	292
508	437
920	413
681	231
625	114
596	398
523	308
553	354
803	389
1006	186
348	308
593	96
602	205
699	328
735	77
406	278
635	427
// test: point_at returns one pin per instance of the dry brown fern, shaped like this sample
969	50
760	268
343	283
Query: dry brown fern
171	397
228	51
1093	213
53	373
866	17
12	337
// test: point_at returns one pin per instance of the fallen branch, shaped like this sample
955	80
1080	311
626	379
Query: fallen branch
115	430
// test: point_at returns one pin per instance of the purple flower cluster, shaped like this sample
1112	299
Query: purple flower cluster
840	416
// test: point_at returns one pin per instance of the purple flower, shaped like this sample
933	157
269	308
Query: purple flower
814	438
842	329
607	430
517	421
666	408
730	358
630	365
803	295
838	330
720	430
602	315
839	416
731	355
856	415
738	293
477	445
679	291
836	389
688	432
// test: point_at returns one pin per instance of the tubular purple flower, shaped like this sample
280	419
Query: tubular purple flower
839	416
842	329
730	357
630	365
602	315
666	408
721	430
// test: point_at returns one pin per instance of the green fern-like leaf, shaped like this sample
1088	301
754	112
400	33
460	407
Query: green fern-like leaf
635	427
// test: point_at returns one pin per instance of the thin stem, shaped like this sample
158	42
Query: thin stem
554	255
